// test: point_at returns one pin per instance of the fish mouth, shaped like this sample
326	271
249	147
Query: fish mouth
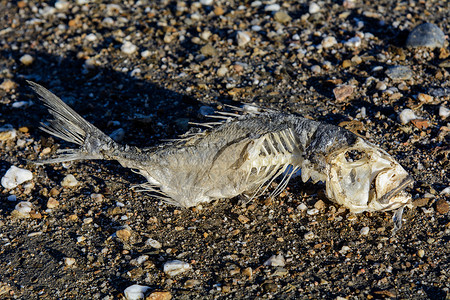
385	199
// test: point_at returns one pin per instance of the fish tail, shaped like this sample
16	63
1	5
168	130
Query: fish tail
71	127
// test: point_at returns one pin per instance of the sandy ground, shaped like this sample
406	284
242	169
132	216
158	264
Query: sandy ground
143	70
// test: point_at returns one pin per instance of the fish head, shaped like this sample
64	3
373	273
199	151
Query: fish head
363	177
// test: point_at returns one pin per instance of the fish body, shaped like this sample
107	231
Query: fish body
241	156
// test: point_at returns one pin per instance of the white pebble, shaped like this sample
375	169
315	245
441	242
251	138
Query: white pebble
27	59
272	7
421	253
314	8
312	211
153	243
302	206
24	209
69	181
15	176
364	231
128	48
242	38
407	115
207	2
91	37
275	261
141	259
175	267
344	250
135	292
7	132
222	71
329	41
69	261
146	53
309	235
316	69
444	112
354	42
445	191
61	4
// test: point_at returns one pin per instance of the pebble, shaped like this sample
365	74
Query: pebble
128	48
27	59
312	211
445	191
442	206
329	42
15	176
52	203
222	71
406	116
135	292
206	2
316	69
159	296
69	261
320	205
399	73
354	42
175	267
364	231
8	85
444	112
118	134
23	209
272	7
62	4
275	261
248	272
309	235
242	38
282	17
421	253
342	92
426	35
314	8
208	50
69	181
190	283
425	98
7	132
123	234
381	86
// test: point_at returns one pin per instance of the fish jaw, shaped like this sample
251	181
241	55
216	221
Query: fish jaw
372	181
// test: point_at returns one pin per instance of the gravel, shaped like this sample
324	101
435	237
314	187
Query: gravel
145	68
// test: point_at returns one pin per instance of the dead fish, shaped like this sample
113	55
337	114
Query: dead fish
242	155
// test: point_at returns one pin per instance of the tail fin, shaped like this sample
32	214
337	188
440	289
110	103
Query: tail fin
71	127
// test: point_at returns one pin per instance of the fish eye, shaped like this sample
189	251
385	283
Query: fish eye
354	155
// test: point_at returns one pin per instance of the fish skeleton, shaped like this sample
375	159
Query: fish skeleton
242	155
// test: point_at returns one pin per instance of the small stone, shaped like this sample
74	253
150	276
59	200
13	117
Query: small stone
218	11
97	197
420	123
309	235
123	234
62	4
275	261
312	211
272	7
15	176
444	112
118	134
269	287
175	267
302	207
320	205
381	86
208	50
329	42
421	202
421	253
442	206
316	69
314	8
146	53
342	92
190	283
243	219
23	209
445	191
282	17
222	71
7	132
52	203
426	35
406	116
7	85
27	59
135	292
364	231
128	48
69	181
354	42
399	73
207	2
69	261
346	63
159	296
425	98
242	38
